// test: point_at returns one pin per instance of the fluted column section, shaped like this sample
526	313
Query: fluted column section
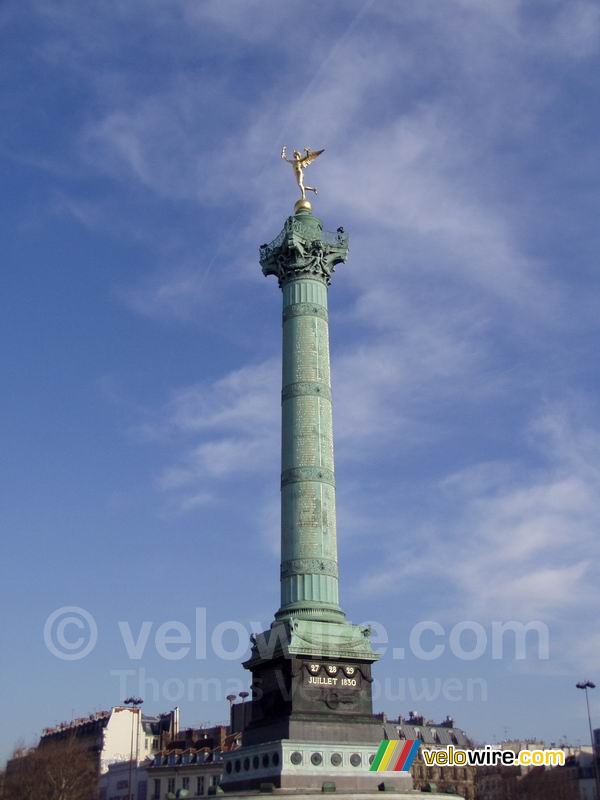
309	560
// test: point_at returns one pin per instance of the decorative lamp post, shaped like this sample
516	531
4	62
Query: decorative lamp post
585	685
244	695
135	703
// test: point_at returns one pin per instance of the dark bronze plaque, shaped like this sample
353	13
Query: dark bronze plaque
331	676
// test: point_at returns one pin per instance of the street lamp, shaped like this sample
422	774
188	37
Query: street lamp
231	698
134	702
585	685
244	695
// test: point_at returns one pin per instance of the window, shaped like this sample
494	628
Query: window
200	785
157	789
214	780
142	790
171	785
185	783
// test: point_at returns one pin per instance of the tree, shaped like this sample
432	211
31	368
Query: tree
63	770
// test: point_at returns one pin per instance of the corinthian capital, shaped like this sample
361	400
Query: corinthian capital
304	249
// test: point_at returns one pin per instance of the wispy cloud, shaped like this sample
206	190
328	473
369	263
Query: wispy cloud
222	429
521	540
181	294
434	178
443	276
382	387
461	156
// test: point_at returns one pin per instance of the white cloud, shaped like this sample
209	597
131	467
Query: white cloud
442	258
429	183
461	156
226	428
516	541
182	293
245	400
161	139
249	20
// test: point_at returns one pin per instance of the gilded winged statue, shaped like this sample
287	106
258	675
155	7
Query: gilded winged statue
299	162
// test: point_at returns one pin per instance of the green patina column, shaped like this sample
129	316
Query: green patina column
303	258
311	716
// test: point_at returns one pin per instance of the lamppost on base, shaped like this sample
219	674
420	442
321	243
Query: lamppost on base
135	703
585	685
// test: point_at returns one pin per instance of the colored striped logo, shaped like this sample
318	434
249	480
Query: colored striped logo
395	755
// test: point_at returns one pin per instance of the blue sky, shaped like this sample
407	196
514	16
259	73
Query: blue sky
141	344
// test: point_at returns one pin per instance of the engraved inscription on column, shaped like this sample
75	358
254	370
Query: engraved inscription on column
306	352
306	444
308	439
326	433
308	520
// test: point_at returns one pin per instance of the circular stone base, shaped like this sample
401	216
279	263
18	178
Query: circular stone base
301	766
300	794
